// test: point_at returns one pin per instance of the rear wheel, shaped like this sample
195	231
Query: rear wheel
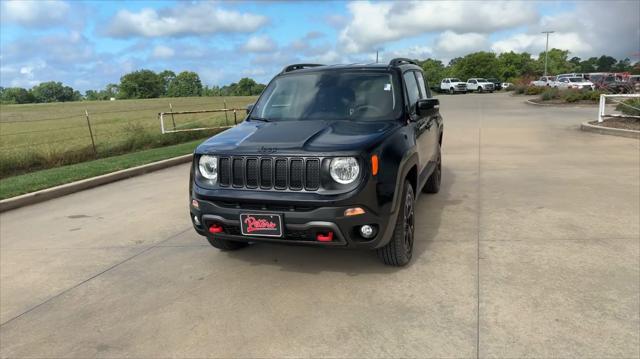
399	250
433	183
224	244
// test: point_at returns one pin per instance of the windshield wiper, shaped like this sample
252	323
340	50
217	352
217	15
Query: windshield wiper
259	119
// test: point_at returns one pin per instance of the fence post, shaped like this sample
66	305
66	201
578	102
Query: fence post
172	119
93	143
226	118
235	119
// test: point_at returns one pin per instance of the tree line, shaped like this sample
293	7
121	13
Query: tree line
141	84
514	67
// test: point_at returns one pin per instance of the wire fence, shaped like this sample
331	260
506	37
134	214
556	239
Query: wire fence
42	133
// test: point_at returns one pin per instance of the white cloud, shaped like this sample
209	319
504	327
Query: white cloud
163	52
259	43
535	44
34	13
374	24
457	44
413	52
182	20
614	31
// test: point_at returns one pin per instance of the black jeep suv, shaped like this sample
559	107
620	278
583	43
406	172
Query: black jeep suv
330	156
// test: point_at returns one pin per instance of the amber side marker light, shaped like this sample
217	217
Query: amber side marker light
374	164
353	211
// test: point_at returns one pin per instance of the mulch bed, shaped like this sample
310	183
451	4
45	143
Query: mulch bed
562	102
626	123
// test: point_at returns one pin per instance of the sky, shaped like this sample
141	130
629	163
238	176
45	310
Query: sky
89	44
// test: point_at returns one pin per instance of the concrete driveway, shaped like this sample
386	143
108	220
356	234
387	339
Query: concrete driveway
530	250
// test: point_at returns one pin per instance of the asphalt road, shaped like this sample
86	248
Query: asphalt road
530	250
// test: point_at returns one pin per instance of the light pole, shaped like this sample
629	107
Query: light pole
546	51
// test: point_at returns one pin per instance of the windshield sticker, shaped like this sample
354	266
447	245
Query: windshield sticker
387	87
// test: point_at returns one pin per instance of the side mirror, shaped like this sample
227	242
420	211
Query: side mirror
426	105
250	107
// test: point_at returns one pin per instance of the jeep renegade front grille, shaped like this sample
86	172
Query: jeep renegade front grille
278	173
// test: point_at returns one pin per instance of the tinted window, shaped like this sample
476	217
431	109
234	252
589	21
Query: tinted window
335	95
423	87
412	89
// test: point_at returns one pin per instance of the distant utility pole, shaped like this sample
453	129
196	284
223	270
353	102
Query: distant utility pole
546	51
376	56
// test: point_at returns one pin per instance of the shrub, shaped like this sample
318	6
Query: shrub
520	89
534	90
630	107
550	94
572	96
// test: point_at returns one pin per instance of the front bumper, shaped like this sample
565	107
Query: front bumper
301	224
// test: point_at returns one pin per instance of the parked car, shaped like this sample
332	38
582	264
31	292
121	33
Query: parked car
453	85
329	156
497	84
634	81
574	83
506	85
573	74
480	85
610	83
544	81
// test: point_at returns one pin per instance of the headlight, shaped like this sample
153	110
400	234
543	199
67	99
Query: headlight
208	166
344	170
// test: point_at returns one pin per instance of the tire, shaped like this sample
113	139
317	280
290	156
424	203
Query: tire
226	245
451	91
433	183
399	250
480	89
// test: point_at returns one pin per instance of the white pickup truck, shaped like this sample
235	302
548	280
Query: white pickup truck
453	85
480	85
544	81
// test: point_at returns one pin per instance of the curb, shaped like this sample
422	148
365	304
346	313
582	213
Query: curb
68	188
610	131
529	102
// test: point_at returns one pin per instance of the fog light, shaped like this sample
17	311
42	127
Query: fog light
367	231
196	220
215	228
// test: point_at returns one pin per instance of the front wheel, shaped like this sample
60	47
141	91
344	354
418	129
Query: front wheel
480	89
399	250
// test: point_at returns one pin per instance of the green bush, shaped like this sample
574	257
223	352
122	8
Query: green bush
520	89
630	107
534	90
572	96
550	94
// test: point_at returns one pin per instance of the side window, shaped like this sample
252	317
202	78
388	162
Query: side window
413	93
423	86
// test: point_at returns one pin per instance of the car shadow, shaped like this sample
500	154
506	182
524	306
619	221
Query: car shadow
314	260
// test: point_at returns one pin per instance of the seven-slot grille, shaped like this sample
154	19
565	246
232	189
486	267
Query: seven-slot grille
280	173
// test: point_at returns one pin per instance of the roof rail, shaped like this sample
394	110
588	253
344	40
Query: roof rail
401	60
295	67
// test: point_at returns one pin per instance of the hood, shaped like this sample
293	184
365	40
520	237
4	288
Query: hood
252	137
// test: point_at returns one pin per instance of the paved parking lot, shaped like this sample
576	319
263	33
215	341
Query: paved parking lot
532	249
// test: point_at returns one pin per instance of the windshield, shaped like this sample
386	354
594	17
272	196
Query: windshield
576	79
335	95
455	80
482	80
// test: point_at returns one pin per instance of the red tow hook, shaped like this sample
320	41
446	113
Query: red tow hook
215	228
324	238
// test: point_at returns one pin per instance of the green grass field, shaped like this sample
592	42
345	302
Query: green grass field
38	136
